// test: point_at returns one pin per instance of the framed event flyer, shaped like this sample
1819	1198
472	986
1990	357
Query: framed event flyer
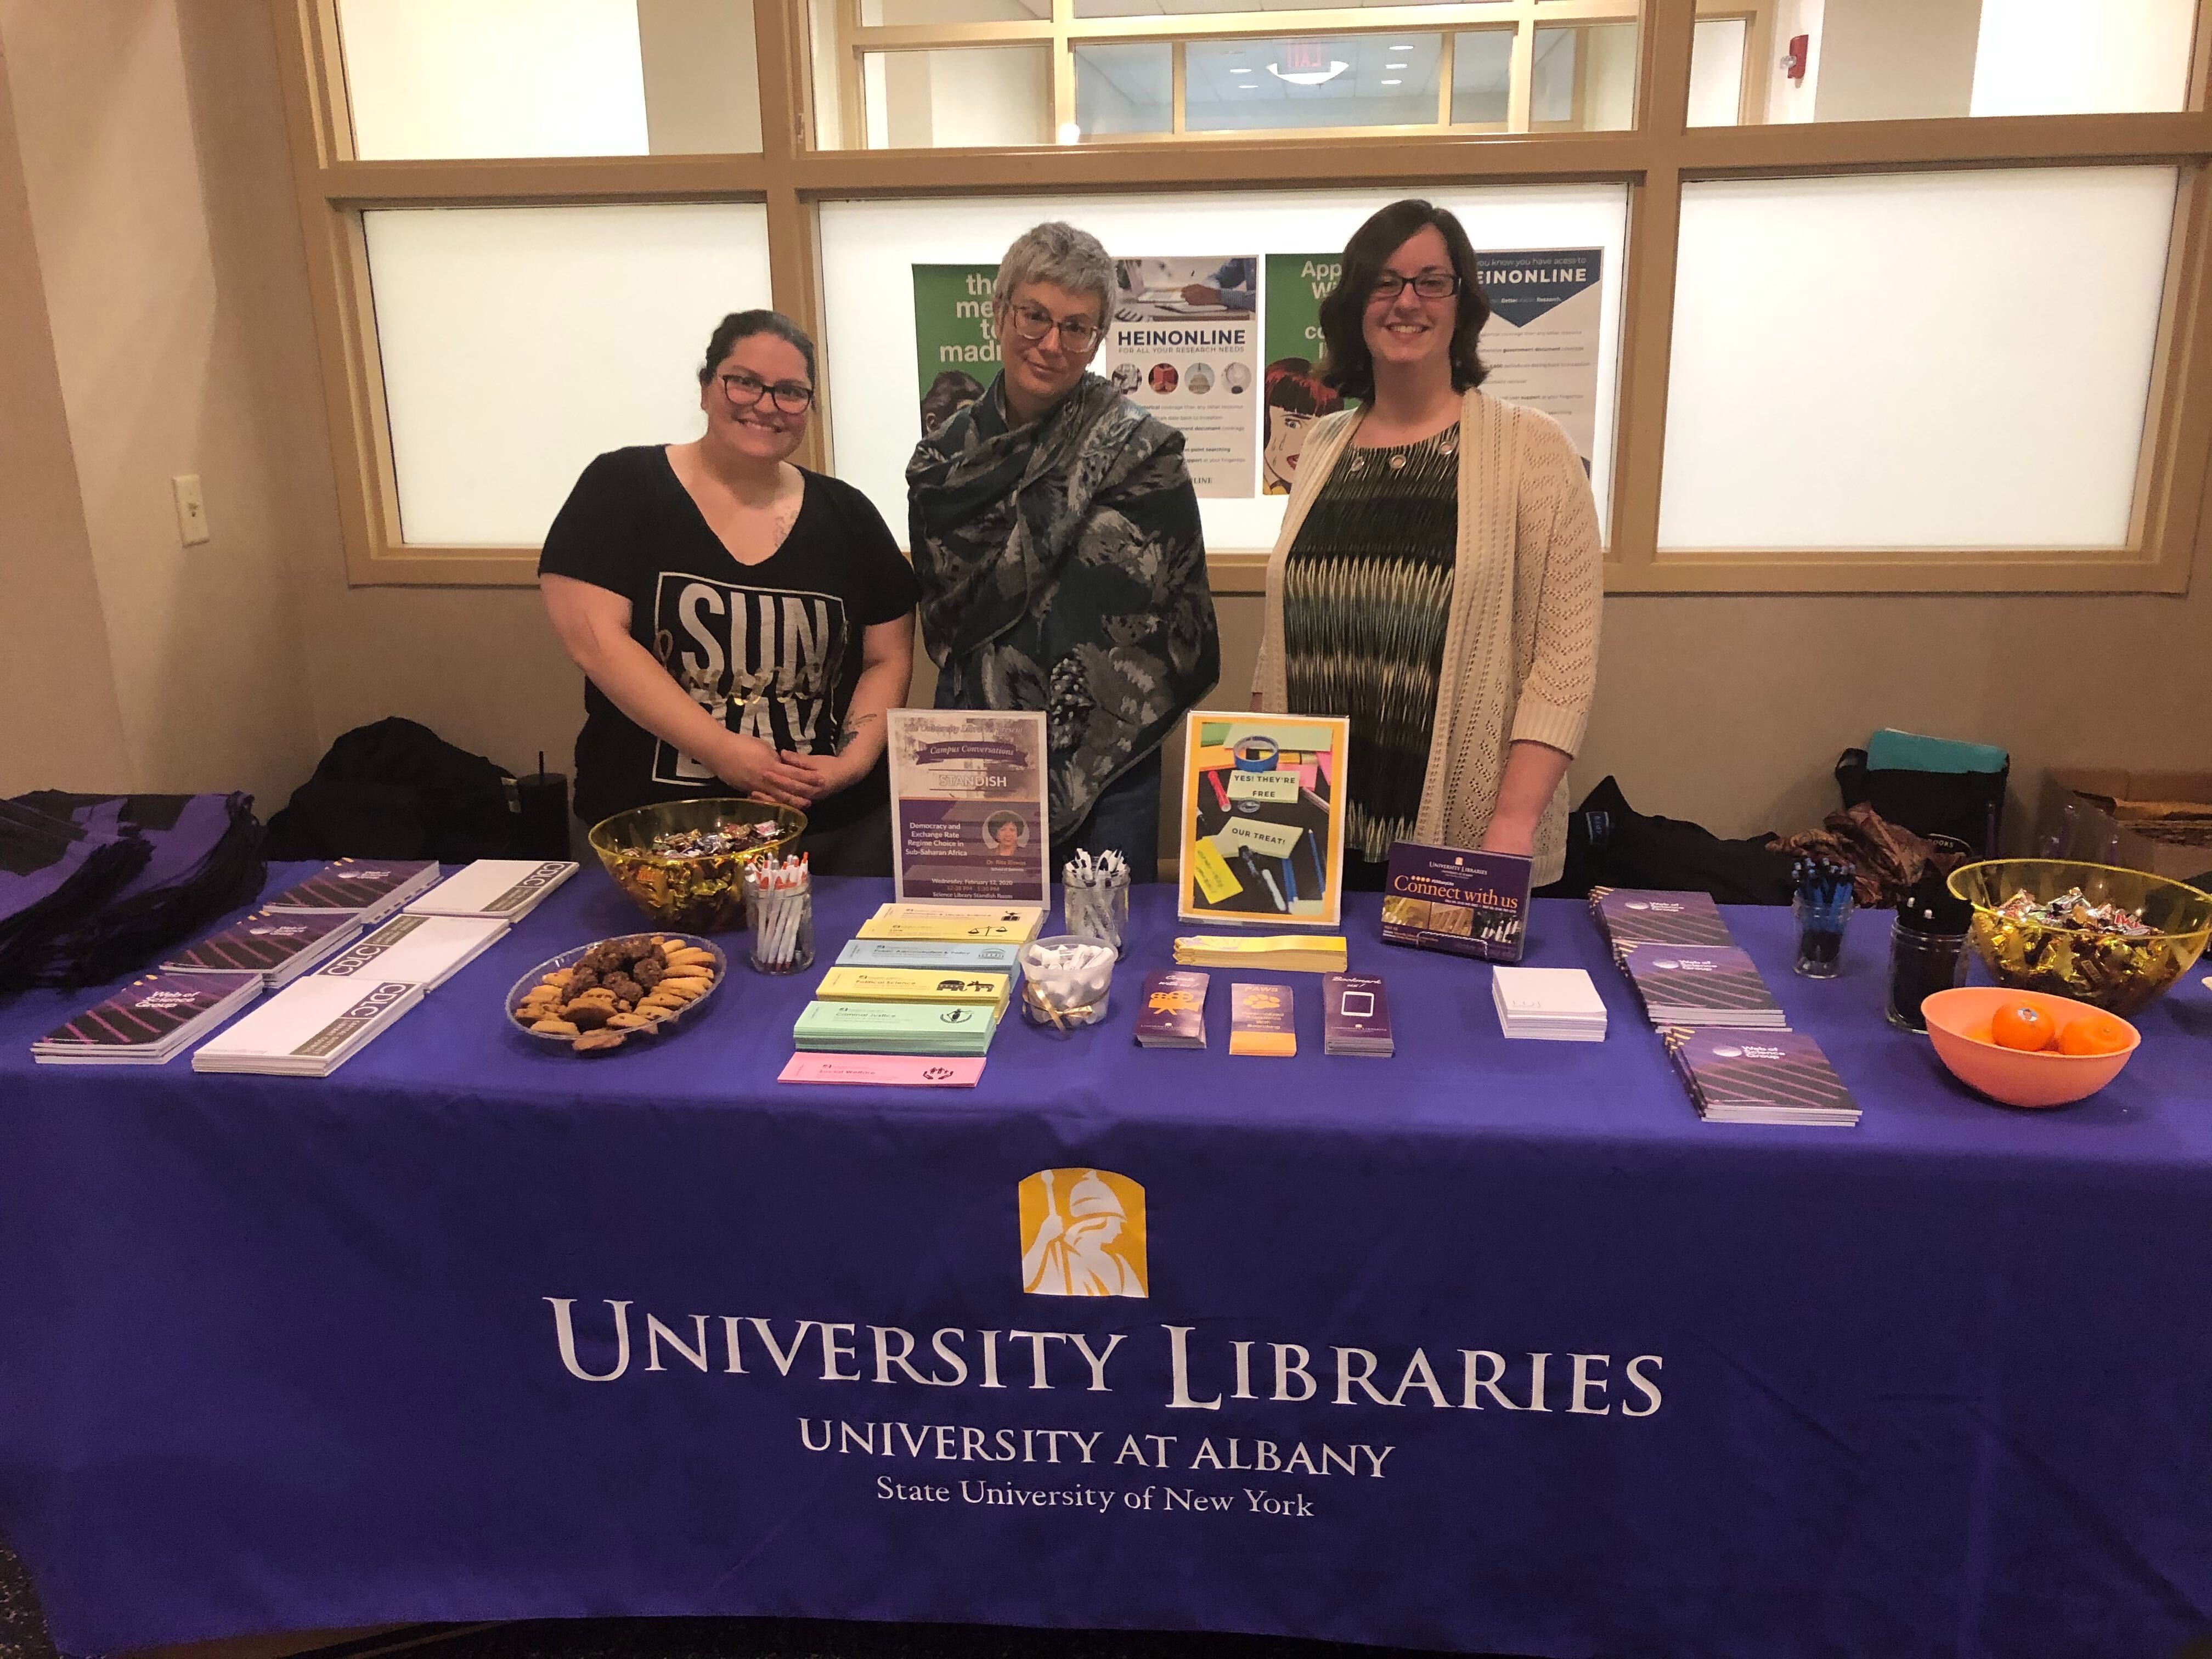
1263	820
970	822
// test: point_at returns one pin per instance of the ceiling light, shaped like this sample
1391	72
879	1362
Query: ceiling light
1394	82
1309	77
1393	66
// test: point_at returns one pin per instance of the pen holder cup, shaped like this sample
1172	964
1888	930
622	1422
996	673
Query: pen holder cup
1101	912
1067	981
1821	935
782	927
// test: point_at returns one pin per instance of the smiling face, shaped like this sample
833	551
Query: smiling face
756	427
1009	838
1041	372
1406	331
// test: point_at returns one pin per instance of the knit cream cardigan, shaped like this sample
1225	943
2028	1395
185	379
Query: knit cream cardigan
1520	653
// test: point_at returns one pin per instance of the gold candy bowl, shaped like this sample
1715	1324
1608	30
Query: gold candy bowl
699	893
2119	974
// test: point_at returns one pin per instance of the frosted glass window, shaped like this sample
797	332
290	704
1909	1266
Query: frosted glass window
1124	88
1583	77
2060	58
519	343
1913	361
1716	72
1207	7
958	96
1322	80
444	79
1482	75
1875	60
867	247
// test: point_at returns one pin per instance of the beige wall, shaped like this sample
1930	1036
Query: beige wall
63	729
1728	711
1897	59
150	328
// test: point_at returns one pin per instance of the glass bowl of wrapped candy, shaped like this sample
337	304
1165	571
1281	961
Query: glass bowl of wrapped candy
683	862
2113	939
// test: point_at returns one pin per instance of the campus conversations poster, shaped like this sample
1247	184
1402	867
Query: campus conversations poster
1540	342
968	815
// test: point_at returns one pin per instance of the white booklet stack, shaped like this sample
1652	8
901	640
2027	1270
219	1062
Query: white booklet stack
1555	1005
506	889
424	950
310	1028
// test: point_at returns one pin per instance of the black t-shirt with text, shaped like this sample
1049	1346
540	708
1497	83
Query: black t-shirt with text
772	650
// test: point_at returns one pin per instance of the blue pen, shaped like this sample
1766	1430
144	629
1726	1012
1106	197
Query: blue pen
1290	880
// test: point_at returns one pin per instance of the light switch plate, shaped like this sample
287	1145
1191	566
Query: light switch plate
191	509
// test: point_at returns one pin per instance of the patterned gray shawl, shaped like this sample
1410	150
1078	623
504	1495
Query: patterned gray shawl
1062	569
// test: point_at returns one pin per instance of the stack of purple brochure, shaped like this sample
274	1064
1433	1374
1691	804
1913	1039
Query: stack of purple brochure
1174	1014
1355	1015
150	1021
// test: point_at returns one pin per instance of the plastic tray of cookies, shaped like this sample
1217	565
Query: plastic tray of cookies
616	994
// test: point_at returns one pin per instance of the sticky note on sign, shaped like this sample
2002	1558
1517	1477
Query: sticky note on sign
1263	786
1211	871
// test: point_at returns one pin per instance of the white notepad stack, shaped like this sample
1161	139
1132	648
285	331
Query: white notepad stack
1553	1004
424	950
505	889
309	1028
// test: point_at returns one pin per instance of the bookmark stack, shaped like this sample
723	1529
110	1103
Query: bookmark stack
921	982
1290	953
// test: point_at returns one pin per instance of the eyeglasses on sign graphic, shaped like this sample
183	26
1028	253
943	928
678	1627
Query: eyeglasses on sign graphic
1083	1234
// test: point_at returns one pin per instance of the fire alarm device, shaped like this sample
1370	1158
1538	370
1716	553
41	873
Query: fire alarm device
1795	59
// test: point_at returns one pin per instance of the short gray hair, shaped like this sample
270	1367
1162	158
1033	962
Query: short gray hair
1064	256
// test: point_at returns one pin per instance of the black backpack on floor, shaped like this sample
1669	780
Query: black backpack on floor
397	790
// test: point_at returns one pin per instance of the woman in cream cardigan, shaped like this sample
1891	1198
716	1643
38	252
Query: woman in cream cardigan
1438	576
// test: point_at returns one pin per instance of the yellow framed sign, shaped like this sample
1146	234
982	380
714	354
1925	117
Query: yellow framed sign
1262	836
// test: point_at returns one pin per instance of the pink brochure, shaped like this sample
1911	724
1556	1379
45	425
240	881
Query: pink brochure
908	1070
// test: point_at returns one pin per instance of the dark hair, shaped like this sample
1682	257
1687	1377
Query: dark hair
1293	388
1346	362
952	391
743	325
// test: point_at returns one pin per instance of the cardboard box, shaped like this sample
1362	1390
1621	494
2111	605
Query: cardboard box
2161	821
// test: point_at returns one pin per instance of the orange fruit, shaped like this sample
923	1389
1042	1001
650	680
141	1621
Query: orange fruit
2020	1025
2092	1034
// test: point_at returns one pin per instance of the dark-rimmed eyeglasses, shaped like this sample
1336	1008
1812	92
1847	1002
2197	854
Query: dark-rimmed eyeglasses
792	397
1032	326
1430	285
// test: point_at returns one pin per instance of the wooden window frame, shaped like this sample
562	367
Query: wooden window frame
1654	160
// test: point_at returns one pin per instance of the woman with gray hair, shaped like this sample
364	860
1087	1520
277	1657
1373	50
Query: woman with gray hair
1055	534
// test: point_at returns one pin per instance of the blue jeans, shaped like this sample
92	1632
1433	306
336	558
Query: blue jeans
1124	819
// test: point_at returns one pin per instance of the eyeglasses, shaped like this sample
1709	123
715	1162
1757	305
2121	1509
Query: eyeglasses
792	397
1031	326
1430	285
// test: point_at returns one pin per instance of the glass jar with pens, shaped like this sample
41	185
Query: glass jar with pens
780	900
1824	899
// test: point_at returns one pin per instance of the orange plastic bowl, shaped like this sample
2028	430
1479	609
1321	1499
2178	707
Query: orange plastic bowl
1958	1025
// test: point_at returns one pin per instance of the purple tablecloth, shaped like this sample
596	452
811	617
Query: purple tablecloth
281	1353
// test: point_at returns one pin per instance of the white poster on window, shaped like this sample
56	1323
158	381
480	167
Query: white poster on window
1185	346
1541	341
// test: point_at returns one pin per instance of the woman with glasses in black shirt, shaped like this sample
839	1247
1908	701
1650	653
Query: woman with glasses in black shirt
742	623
